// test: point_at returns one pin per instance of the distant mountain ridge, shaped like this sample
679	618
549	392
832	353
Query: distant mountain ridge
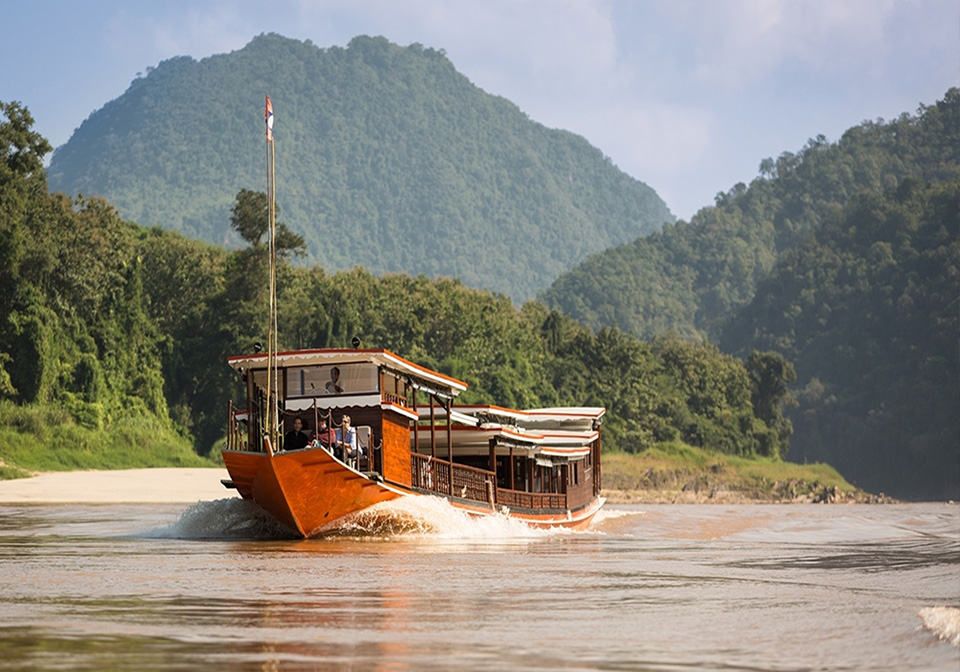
692	277
387	158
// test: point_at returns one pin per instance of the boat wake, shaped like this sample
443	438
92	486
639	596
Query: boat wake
605	514
407	517
944	622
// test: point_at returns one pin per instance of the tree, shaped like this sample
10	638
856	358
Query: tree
770	378
250	217
21	149
22	184
23	190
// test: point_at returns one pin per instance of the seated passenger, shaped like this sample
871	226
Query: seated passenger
347	440
323	435
295	438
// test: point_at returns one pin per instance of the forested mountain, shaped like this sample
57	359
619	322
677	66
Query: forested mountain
691	276
109	322
387	158
868	309
844	259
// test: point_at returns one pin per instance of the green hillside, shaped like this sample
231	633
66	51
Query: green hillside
387	158
845	259
868	308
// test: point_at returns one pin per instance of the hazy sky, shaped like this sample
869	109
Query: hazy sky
685	95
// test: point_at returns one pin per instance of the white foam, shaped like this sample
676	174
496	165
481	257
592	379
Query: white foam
436	518
944	622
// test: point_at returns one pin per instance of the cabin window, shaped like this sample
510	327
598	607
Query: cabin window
520	474
330	380
394	389
260	388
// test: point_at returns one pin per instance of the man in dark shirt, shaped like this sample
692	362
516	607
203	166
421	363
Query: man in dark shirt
295	438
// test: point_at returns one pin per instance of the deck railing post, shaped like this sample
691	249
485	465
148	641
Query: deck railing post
433	429
416	424
230	424
448	408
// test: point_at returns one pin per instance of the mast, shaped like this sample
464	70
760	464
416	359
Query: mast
273	387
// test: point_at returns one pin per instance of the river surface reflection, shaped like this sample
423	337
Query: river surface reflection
421	587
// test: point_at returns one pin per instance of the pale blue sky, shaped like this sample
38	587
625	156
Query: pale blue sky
685	95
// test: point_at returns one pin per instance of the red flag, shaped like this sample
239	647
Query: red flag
268	117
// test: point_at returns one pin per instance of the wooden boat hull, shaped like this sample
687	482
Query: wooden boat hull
308	490
311	492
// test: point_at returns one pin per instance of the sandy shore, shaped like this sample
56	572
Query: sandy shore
168	486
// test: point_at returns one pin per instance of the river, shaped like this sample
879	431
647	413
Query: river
418	586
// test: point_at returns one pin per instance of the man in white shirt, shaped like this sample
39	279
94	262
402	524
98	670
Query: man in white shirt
334	386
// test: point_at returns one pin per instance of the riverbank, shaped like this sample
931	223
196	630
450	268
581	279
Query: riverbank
190	485
822	495
665	474
123	486
681	474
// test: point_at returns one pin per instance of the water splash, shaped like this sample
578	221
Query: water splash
223	519
944	622
436	518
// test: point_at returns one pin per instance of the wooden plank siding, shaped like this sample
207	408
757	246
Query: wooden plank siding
396	448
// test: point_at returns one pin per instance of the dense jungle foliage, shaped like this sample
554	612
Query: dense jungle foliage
106	321
844	259
868	308
387	158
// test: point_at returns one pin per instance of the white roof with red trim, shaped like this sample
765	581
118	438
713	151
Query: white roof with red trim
578	418
341	356
558	432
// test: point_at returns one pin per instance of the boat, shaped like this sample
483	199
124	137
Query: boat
386	428
540	466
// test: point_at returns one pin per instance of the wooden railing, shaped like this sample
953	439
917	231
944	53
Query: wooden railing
471	483
433	473
429	473
235	440
531	500
392	398
579	495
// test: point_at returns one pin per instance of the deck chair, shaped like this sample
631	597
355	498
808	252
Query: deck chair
364	436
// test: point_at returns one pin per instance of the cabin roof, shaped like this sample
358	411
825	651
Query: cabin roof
591	412
473	440
558	432
380	357
559	418
564	412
